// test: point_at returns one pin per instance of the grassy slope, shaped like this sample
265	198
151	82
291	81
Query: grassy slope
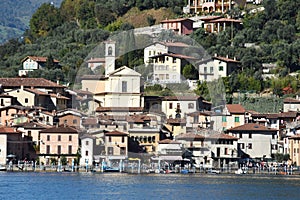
139	18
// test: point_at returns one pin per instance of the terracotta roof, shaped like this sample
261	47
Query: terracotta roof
190	136
60	129
89	121
35	91
251	127
28	82
168	141
291	100
115	109
295	137
38	59
32	125
116	133
96	60
222	136
176	121
290	114
235	108
181	56
59	96
176	20
225	20
226	59
8	130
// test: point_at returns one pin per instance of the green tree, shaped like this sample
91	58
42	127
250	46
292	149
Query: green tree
190	72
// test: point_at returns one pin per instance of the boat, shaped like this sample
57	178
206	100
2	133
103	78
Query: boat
111	169
240	171
2	168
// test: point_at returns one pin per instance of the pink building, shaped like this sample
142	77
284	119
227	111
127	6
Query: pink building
181	26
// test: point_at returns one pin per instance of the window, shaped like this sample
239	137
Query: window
249	145
74	121
273	136
250	135
174	60
59	138
211	70
109	51
48	149
123	150
124	86
221	68
205	70
149	53
167	76
86	153
191	105
236	119
29	133
178	105
241	145
123	139
70	149
110	150
87	143
109	138
224	119
2	102
48	137
170	105
58	149
241	135
226	151
70	137
26	100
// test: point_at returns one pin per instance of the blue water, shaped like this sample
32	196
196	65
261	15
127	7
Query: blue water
15	185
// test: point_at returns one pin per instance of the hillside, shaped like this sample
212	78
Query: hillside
15	16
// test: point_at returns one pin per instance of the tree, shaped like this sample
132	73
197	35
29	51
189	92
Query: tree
190	72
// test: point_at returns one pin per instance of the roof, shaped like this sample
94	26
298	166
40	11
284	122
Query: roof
139	118
291	100
168	141
176	121
190	136
93	77
115	109
176	20
200	113
221	136
208	18
89	121
225	20
225	59
235	108
60	129
8	130
28	82
181	56
181	98
31	125
252	127
96	60
38	59
297	137
58	96
115	133
35	91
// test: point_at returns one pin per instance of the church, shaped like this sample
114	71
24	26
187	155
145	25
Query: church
118	90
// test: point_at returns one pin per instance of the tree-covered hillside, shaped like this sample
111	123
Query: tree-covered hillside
15	16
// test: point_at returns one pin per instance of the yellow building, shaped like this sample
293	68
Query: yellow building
294	146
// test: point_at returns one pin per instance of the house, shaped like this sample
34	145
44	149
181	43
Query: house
255	141
167	67
116	146
163	47
218	25
70	117
9	113
291	104
210	149
15	145
171	105
181	26
208	6
169	147
176	126
199	120
32	130
294	146
31	63
58	141
216	67
234	115
90	150
41	84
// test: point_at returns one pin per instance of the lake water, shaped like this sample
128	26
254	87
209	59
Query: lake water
32	185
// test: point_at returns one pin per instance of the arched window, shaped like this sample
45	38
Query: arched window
109	52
